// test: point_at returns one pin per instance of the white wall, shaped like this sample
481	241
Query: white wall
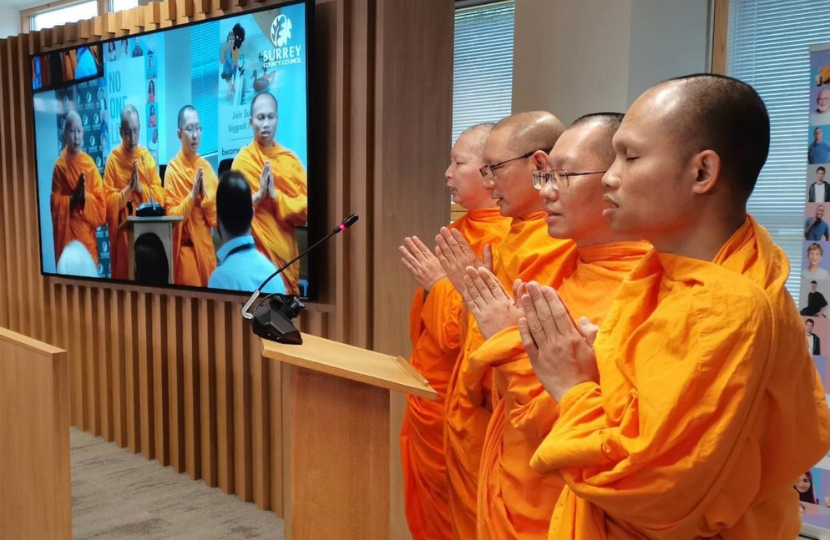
668	39
573	57
9	22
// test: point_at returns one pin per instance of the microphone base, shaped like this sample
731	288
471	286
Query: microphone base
270	322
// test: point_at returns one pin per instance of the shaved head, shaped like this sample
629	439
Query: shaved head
129	112
190	131
263	119
476	136
463	176
575	205
73	132
264	95
183	115
72	118
610	121
517	146
532	130
130	128
727	116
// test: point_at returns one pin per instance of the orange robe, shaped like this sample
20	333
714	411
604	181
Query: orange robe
193	250
275	219
709	406
515	501
117	175
76	223
434	331
529	253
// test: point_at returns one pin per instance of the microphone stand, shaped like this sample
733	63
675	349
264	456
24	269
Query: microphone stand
271	319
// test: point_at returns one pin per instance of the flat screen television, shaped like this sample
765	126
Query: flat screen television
125	128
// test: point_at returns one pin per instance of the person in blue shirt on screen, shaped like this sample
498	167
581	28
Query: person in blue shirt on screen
241	267
87	64
815	228
818	151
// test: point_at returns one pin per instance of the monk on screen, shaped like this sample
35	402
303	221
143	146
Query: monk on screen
515	501
517	146
434	331
278	182
190	191
130	179
696	407
77	200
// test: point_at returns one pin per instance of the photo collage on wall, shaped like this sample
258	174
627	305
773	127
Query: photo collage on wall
89	101
814	295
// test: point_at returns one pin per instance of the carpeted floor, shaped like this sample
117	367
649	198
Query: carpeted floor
117	495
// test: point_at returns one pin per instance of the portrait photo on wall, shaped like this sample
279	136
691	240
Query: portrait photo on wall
815	279
817	332
818	144
818	188
813	489
816	228
820	83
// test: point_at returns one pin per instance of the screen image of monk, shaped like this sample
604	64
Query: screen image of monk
77	200
279	186
130	178
190	191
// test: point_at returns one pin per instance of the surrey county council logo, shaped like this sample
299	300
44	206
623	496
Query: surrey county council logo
281	30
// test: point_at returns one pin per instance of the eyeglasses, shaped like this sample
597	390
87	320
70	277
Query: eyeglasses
561	178
190	130
488	172
132	133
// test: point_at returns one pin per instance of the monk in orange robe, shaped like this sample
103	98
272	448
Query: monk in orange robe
130	179
697	407
515	501
516	147
77	200
278	182
434	330
190	191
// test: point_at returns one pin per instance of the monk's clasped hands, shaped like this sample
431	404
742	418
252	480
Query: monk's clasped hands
560	351
491	305
455	255
421	262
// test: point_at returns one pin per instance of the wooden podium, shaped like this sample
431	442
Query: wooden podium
161	226
336	421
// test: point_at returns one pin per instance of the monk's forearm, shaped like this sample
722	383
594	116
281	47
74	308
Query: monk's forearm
292	210
180	208
94	211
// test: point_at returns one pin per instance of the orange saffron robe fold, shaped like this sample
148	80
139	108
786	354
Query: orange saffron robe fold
76	223
434	331
515	501
709	405
193	250
117	175
275	219
529	253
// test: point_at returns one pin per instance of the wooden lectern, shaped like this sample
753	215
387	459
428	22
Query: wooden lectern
337	468
162	226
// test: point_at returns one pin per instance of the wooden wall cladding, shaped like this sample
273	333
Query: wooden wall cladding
177	375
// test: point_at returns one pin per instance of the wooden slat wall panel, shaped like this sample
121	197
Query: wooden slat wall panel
176	375
193	454
225	394
160	396
175	384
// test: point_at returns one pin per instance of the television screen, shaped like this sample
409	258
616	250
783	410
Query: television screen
178	157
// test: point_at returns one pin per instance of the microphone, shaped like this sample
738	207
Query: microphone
271	319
